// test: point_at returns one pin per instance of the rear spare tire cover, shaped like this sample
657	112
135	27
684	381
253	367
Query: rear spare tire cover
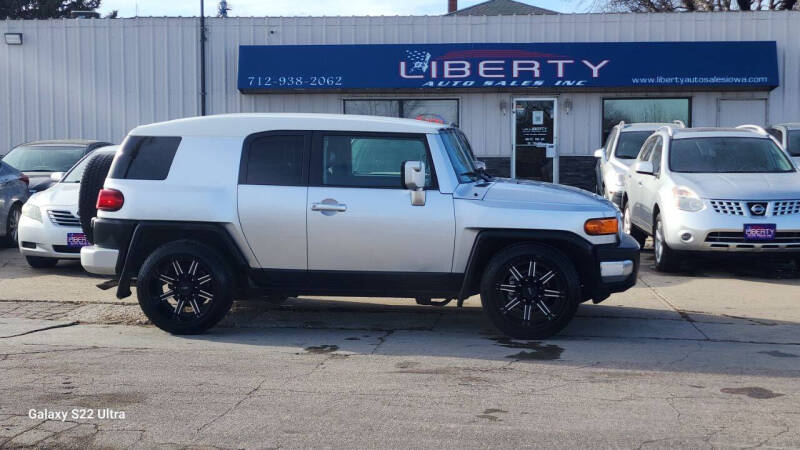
91	182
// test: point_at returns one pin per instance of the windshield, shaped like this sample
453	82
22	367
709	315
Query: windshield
45	158
793	143
460	155
727	155
630	142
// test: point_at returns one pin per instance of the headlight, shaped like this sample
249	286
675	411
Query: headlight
686	199
32	211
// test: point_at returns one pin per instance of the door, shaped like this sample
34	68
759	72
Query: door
535	155
650	183
735	112
273	186
360	218
636	188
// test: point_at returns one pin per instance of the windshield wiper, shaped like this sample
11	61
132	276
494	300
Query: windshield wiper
478	174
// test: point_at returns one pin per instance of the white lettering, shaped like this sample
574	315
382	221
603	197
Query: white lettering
404	73
525	65
456	69
560	63
595	68
484	67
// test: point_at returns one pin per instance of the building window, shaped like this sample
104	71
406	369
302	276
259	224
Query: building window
433	110
633	110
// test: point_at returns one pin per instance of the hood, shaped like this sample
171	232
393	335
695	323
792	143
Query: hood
622	163
742	186
39	181
524	191
61	194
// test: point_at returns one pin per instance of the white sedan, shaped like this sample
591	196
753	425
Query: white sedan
50	228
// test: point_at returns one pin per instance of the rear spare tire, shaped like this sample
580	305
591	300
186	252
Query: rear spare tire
91	182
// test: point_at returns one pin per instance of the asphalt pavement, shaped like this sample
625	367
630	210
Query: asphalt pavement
709	357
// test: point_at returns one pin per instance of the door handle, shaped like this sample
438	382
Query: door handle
335	207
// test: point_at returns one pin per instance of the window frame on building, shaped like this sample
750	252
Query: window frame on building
401	101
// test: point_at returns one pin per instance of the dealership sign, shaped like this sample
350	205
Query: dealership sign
688	65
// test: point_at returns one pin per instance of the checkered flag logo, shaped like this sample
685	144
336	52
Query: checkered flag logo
417	60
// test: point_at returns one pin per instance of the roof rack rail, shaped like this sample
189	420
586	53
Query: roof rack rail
679	123
756	128
621	124
668	129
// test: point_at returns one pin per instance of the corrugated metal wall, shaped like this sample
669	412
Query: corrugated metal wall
99	78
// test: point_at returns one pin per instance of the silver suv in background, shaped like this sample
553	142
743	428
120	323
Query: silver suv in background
788	135
713	190
616	157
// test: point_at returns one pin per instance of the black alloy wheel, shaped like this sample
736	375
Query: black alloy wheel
184	287
530	291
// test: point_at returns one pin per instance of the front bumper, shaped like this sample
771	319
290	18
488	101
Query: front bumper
46	239
617	267
709	231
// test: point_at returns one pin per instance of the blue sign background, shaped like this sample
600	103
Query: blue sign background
688	65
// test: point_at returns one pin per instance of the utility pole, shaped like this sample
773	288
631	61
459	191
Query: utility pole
202	59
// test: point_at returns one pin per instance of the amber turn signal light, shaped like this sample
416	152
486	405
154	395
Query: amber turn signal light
597	227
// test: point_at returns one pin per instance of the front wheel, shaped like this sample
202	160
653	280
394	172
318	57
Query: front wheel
667	260
530	291
184	287
629	228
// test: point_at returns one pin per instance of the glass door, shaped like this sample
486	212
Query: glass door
535	155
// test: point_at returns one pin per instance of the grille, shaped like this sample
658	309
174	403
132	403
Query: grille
730	207
64	218
786	207
781	237
66	249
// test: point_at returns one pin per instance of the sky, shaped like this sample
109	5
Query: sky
128	8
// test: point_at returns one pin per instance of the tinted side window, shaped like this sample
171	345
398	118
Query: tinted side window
644	153
657	155
275	160
145	158
370	161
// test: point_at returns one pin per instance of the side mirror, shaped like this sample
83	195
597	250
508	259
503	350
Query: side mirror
55	177
645	167
599	153
414	180
480	165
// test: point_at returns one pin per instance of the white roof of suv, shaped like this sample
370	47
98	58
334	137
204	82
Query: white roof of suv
246	124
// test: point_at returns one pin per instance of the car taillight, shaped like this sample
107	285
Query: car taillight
24	178
110	200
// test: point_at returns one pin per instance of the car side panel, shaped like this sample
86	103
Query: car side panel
201	187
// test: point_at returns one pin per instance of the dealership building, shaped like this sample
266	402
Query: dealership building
536	94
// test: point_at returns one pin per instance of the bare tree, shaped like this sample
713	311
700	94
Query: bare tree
693	5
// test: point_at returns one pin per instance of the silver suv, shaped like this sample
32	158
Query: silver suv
616	157
788	135
200	210
713	190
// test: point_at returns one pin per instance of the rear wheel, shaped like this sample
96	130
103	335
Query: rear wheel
39	262
92	181
667	260
530	291
185	287
629	228
12	226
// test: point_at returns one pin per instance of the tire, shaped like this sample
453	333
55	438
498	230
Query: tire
549	305
629	228
667	260
91	182
201	284
39	262
12	226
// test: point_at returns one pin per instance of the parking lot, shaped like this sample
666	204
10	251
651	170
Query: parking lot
706	358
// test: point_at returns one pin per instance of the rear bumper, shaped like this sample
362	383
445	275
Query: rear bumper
98	260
